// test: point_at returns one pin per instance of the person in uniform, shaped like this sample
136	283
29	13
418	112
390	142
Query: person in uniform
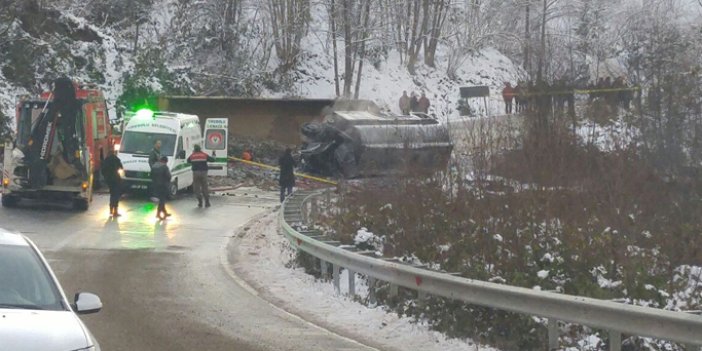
199	160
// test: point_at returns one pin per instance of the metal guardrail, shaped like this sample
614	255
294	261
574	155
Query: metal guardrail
616	318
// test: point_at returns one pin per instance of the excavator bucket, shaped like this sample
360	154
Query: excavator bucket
59	113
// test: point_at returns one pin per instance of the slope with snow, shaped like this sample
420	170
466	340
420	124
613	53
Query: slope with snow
110	58
263	257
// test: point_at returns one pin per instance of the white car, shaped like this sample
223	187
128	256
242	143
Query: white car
34	311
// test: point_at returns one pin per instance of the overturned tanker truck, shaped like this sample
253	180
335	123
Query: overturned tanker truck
354	144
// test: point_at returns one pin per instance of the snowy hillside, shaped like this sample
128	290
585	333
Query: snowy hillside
76	45
384	84
63	45
384	81
139	49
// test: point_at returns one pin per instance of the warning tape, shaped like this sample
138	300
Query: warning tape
604	90
576	91
302	175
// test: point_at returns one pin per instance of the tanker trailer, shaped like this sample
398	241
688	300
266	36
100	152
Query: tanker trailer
355	144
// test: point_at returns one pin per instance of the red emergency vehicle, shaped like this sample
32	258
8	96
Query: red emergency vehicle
62	138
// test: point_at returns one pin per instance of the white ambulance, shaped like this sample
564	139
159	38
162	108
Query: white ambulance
178	134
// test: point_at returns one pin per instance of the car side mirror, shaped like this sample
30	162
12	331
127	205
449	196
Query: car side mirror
86	303
181	154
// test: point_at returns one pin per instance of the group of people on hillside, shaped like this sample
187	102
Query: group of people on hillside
112	171
528	96
616	93
412	103
559	95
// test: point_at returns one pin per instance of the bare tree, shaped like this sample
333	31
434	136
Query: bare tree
439	13
362	52
289	21
474	25
527	33
332	23
349	46
417	14
547	14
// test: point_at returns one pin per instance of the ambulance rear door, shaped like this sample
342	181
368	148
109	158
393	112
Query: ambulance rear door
215	140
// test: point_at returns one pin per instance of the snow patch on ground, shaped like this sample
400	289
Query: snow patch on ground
264	260
363	236
366	240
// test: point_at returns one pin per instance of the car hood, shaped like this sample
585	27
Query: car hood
24	330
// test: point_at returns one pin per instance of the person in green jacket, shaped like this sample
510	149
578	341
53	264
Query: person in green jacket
160	182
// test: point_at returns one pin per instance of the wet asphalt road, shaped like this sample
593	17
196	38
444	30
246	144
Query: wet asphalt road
165	285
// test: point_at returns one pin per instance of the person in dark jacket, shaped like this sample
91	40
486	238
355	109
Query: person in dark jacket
423	103
111	166
405	104
414	103
155	154
508	97
287	175
199	160
519	97
160	182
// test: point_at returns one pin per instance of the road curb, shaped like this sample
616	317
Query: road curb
229	258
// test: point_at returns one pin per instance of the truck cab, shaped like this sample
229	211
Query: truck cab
57	151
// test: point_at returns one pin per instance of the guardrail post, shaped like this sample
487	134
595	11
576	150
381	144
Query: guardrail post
352	282
553	334
371	290
615	340
323	266
310	208
394	290
335	276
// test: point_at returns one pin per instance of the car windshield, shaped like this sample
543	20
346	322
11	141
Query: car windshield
24	281
143	143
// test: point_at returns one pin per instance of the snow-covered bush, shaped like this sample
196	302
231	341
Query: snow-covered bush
366	240
563	216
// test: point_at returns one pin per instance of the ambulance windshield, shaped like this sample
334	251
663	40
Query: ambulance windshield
142	143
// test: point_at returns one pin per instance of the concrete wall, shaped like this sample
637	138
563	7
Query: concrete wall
270	119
